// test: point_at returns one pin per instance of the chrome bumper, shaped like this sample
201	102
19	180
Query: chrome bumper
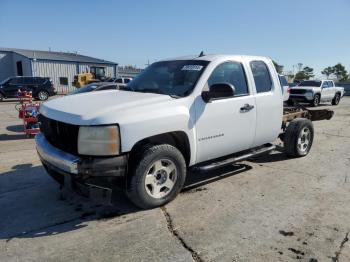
57	158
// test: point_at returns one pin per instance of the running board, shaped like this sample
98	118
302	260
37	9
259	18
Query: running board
236	158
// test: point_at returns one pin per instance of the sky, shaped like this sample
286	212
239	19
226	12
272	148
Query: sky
315	33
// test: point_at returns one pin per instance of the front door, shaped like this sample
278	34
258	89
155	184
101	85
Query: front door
225	126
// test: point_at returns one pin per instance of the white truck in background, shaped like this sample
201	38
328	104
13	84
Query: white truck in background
186	113
316	91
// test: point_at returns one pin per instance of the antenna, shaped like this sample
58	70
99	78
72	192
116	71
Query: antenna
201	54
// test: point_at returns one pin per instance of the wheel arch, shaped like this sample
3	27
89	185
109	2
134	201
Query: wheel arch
178	139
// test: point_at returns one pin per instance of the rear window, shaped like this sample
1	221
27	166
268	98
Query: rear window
262	78
310	83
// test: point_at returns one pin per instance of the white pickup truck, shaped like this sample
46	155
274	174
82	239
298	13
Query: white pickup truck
186	113
316	91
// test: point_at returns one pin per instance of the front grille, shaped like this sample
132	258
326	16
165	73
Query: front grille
297	91
61	135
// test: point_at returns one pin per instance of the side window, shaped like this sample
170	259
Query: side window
126	81
330	84
39	80
63	81
233	73
325	84
262	78
16	81
119	80
107	87
28	80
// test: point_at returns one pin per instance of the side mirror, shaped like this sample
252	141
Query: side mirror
218	91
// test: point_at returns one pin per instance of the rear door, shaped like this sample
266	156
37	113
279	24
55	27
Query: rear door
224	126
28	83
268	100
332	89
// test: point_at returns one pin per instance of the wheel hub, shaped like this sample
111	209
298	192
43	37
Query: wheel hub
160	178
304	139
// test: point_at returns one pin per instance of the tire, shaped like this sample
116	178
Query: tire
156	177
316	101
336	99
1	97
298	137
42	95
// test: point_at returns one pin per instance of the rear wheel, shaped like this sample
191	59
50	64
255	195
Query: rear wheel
298	137
336	99
43	95
316	100
157	176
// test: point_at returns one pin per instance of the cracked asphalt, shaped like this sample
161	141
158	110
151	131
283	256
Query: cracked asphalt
270	208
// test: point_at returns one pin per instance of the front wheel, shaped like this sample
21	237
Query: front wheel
316	101
298	137
156	176
43	95
336	99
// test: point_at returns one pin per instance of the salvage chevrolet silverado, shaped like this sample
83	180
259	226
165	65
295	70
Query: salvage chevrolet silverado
186	113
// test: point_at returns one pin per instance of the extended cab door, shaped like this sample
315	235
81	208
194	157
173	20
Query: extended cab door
225	126
268	100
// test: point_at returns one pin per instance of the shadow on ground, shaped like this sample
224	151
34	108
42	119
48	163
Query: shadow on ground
32	204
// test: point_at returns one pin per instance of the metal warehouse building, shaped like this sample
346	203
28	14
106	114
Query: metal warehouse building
59	66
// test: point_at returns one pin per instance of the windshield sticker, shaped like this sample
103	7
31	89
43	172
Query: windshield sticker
192	67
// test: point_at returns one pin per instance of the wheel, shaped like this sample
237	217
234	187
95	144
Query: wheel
1	97
298	137
157	176
336	99
43	95
316	100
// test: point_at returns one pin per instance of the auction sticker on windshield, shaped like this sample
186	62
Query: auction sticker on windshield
192	67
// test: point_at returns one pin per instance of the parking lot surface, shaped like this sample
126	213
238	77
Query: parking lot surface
270	208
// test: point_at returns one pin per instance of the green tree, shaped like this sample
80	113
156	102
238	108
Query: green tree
309	72
305	74
300	76
279	68
340	72
328	71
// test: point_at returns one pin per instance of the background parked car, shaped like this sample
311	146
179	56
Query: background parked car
99	86
41	87
285	87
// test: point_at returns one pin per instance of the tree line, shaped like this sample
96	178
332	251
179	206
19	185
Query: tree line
338	71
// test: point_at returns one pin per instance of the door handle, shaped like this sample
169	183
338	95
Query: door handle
246	108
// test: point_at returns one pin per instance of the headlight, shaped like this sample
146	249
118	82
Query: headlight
98	140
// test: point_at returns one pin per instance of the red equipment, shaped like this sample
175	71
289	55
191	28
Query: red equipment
28	111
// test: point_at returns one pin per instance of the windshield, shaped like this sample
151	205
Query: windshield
84	89
310	83
4	81
174	78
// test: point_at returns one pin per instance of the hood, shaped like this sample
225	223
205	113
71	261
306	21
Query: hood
306	87
103	107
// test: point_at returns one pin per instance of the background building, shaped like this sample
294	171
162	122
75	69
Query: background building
59	66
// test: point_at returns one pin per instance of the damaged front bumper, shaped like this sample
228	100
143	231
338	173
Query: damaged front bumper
94	177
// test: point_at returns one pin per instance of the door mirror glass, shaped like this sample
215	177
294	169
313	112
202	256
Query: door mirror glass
218	91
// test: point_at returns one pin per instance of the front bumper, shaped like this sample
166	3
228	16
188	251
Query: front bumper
307	97
95	173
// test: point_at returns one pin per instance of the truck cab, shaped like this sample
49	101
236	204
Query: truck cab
178	114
